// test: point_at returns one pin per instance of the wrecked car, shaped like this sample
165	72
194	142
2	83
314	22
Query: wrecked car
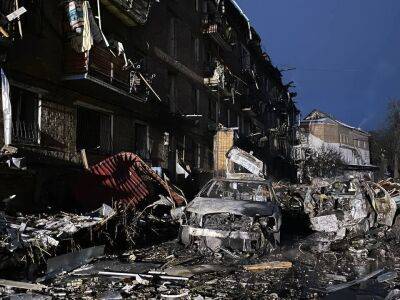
348	208
233	214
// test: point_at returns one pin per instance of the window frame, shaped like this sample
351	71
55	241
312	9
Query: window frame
97	109
38	108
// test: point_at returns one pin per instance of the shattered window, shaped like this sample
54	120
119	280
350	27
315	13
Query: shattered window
238	190
211	109
24	115
93	130
142	141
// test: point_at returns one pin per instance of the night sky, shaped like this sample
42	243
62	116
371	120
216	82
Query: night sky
346	53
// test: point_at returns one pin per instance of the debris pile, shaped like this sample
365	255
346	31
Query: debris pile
393	188
127	180
67	255
32	239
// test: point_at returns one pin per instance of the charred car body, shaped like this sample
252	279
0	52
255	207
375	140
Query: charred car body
238	213
233	214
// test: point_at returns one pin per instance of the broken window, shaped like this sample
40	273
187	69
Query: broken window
210	158
172	92
198	156
196	47
212	109
247	127
224	115
344	139
196	100
245	58
181	141
233	119
190	152
142	141
93	130
173	39
25	125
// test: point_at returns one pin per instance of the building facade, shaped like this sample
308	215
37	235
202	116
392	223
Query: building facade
320	131
157	78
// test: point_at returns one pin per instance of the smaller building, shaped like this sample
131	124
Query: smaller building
320	130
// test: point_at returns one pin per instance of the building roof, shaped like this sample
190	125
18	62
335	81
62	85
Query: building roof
317	116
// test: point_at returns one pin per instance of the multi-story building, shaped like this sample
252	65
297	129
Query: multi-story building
319	131
153	77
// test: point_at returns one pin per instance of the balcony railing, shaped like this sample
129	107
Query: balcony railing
218	32
25	133
222	80
130	12
101	67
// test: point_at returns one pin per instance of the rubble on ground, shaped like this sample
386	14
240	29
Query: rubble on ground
31	239
353	250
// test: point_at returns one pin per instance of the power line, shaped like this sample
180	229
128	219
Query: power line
335	70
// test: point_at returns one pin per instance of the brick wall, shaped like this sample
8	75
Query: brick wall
223	141
326	132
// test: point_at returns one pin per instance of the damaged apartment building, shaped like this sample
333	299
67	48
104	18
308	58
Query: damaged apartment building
157	78
320	131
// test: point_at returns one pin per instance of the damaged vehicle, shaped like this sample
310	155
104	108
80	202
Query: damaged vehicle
234	215
348	208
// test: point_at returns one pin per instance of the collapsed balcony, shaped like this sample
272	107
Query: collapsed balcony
223	81
100	68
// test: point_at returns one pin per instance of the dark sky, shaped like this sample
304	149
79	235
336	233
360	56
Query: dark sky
347	53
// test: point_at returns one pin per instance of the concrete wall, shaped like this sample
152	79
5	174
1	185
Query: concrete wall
340	138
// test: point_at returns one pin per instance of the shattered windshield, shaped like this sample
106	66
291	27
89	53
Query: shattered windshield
237	190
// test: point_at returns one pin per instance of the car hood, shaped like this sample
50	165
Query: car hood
205	206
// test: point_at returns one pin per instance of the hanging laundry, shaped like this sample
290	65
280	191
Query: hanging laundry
75	16
6	105
95	29
83	41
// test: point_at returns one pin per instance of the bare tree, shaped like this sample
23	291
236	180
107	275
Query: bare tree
385	144
394	132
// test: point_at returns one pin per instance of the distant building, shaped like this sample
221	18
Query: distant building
319	130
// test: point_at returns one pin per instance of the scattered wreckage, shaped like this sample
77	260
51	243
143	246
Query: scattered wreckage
131	200
348	208
238	214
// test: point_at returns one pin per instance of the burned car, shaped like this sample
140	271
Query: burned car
233	214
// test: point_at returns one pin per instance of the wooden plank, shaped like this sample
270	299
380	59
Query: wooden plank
272	265
22	285
84	159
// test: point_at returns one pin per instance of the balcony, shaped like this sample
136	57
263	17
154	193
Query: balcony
222	80
217	32
130	12
100	71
